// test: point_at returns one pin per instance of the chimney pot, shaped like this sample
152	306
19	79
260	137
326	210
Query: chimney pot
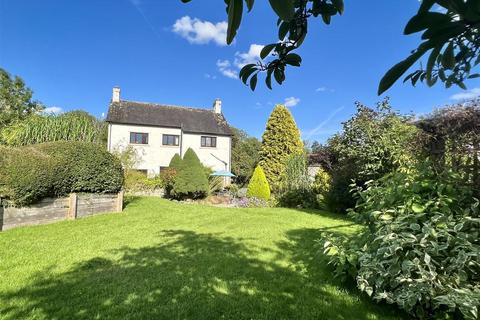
116	94
217	106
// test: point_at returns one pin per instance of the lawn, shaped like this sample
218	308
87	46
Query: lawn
165	260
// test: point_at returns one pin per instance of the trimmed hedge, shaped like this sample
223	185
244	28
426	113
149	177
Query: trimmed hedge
258	186
28	174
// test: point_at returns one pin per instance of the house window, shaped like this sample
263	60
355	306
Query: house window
209	142
138	138
170	140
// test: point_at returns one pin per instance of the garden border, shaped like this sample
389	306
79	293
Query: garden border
50	210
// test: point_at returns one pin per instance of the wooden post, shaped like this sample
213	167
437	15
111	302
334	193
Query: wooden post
1	216
119	207
72	206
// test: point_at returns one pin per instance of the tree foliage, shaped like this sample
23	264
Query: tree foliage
280	140
190	180
451	36
258	186
373	142
245	155
15	99
70	126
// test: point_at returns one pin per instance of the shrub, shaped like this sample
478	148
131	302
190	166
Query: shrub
191	180
29	174
169	174
26	175
215	184
83	167
321	187
258	186
295	184
298	198
421	246
134	181
137	181
374	142
175	162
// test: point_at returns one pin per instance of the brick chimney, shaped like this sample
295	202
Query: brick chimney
116	94
217	106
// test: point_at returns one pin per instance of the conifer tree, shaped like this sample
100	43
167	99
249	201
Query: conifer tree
280	140
175	162
190	180
258	186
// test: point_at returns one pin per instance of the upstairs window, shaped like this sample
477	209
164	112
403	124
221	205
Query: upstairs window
170	140
138	138
208	142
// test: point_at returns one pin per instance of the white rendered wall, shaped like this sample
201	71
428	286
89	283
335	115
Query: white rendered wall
155	155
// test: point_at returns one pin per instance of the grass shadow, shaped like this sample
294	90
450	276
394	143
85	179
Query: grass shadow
190	275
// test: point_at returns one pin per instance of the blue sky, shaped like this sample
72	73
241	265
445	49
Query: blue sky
71	53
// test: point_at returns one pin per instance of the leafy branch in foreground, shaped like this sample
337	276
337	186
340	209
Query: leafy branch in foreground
453	39
292	27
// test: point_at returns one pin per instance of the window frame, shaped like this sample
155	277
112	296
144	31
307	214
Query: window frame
142	136
176	140
204	139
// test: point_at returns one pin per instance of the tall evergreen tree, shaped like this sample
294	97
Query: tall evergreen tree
280	140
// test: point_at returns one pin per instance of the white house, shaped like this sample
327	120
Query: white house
158	131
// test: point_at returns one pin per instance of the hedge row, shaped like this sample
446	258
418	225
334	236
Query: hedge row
29	174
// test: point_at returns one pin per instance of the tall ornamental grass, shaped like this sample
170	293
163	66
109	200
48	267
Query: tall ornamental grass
70	126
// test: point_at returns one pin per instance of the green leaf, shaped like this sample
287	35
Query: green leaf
285	9
247	72
326	18
266	50
249	4
293	59
339	5
235	11
418	208
279	75
424	21
268	79
448	59
426	5
283	30
253	82
400	68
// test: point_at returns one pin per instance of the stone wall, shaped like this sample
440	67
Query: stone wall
55	209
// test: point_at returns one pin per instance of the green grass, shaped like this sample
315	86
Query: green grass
164	260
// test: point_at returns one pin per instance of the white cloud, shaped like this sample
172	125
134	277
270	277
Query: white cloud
197	31
291	101
55	110
324	89
252	56
466	95
210	76
225	68
231	70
